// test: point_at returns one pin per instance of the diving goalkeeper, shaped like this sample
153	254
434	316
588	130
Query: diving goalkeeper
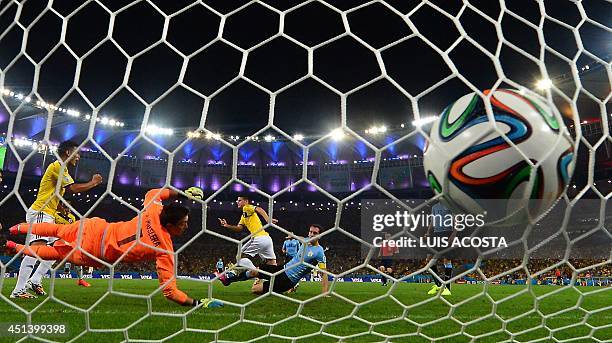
109	241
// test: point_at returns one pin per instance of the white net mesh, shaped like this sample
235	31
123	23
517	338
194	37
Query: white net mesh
263	68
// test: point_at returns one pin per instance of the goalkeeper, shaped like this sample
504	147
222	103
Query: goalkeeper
109	241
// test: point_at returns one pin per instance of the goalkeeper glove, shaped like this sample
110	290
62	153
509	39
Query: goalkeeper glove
208	303
194	193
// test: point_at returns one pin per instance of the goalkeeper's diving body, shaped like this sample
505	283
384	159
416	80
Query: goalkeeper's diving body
109	241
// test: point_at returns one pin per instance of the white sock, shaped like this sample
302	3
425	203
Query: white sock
246	263
80	272
25	270
42	270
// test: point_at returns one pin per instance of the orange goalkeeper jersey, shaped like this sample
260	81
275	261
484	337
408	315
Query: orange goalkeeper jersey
155	243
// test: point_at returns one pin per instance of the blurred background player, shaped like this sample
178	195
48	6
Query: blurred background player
44	210
385	254
290	247
294	271
219	265
441	228
110	241
260	242
65	217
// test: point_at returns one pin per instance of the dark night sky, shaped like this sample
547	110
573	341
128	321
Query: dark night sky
309	106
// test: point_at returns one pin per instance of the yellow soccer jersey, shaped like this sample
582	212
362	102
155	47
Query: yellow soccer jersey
62	219
251	220
47	188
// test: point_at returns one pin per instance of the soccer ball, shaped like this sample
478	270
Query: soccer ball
477	171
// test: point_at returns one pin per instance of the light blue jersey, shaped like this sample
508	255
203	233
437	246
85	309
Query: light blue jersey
291	246
313	255
441	214
219	264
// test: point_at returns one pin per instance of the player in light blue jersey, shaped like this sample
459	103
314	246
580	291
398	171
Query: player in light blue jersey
441	228
290	248
311	253
219	265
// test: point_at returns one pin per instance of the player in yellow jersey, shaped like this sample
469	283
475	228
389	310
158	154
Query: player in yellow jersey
260	242
44	210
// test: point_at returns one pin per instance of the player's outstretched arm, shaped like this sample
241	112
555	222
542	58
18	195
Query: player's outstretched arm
235	228
165	272
96	179
264	215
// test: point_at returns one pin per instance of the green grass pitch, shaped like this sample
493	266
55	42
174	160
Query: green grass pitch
576	313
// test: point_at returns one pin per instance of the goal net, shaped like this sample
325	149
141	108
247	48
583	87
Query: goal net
320	112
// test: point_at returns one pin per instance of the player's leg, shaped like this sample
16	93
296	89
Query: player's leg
249	274
41	250
282	283
433	270
28	262
390	272
81	281
69	232
25	270
266	249
382	275
249	250
49	230
260	287
448	274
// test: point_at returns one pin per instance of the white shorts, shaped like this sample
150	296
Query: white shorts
33	216
260	245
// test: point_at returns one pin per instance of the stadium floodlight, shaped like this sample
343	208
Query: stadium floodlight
424	121
298	137
376	130
544	84
269	138
156	130
337	134
193	134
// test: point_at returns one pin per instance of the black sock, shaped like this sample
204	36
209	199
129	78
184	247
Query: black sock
384	280
240	277
435	275
448	273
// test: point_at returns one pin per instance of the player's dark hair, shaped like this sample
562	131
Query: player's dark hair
244	197
172	214
318	227
64	148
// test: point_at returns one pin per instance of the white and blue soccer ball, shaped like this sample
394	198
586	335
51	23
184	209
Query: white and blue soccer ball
477	171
